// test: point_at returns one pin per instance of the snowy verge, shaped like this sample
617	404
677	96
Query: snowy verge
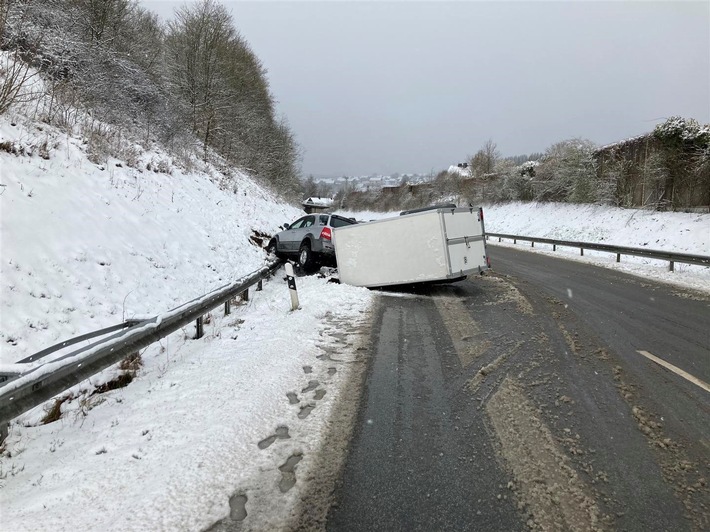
168	451
667	231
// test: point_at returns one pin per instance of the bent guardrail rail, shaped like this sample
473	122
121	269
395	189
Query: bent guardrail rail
41	383
671	257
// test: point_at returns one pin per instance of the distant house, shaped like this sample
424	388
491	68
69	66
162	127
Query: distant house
461	169
317	204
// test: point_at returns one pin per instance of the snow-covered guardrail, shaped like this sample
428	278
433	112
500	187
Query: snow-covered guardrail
671	257
40	383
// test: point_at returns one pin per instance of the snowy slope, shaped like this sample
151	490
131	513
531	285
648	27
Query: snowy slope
665	231
88	245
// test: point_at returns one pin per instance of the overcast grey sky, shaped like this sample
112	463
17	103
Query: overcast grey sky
384	87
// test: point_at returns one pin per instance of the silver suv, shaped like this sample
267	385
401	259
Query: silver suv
309	240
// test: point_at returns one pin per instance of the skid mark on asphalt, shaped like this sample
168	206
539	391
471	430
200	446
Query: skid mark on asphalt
486	370
544	479
281	434
465	333
288	472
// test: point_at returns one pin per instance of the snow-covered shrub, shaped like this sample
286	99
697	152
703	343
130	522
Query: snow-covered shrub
678	131
566	172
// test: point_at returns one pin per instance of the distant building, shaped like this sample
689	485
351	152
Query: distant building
461	169
317	204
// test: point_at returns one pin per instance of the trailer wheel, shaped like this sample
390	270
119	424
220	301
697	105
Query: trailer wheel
305	258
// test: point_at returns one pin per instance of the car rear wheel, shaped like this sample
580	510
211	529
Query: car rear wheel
306	259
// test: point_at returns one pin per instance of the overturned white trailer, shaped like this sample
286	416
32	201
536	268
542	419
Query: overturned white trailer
428	245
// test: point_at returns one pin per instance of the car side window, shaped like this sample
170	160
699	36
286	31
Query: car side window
298	223
323	219
309	221
340	222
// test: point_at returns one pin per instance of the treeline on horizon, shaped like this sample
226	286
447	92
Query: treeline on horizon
666	169
193	85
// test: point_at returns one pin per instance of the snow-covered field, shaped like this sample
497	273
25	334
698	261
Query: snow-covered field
84	246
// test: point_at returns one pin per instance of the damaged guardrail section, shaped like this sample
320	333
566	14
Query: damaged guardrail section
41	383
671	257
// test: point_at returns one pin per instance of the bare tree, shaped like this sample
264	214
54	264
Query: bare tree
485	160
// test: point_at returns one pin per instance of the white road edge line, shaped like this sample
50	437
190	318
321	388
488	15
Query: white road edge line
704	385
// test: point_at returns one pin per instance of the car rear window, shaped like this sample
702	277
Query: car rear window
340	222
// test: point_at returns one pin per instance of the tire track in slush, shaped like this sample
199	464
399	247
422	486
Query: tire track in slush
546	482
548	488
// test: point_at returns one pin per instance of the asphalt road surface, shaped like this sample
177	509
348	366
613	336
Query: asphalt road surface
533	397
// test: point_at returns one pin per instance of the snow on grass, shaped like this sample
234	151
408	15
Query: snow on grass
85	246
168	451
665	231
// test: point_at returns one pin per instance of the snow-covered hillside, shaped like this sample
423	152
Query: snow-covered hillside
88	245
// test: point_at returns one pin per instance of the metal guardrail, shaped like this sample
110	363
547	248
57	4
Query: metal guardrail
671	257
41	383
76	340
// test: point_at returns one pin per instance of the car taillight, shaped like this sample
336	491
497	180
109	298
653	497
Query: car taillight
325	234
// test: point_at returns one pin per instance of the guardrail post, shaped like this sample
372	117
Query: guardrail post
671	268
200	328
581	251
245	295
532	243
554	247
227	307
259	287
618	257
500	239
515	241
